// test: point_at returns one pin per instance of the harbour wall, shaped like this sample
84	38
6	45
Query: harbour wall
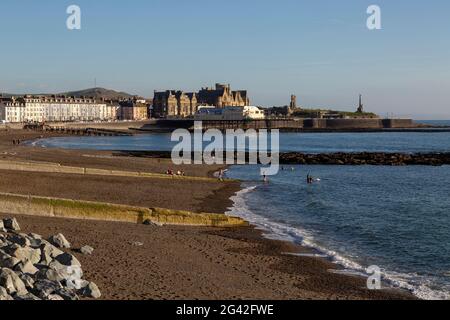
293	124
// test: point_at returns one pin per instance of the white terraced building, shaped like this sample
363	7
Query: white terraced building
55	109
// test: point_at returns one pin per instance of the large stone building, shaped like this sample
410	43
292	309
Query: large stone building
184	104
194	102
133	109
55	109
172	103
223	96
165	104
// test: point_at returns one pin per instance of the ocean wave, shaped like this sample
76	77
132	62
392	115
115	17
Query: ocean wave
418	285
32	143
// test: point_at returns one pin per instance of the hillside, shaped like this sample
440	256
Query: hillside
99	93
92	92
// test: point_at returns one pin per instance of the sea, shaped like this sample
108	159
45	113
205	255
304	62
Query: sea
396	218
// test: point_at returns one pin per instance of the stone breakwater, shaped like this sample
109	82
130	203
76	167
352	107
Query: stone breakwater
362	158
32	268
366	158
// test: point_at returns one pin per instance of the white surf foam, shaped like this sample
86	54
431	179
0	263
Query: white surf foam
414	283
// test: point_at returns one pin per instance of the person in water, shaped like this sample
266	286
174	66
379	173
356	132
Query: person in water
265	179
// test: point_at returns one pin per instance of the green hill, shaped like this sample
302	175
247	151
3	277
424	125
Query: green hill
99	93
92	92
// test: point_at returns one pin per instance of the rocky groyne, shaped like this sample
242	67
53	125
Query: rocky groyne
340	158
367	158
32	268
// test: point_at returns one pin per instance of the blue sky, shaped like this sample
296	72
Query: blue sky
320	50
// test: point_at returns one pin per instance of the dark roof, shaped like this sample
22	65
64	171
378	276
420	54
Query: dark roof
165	94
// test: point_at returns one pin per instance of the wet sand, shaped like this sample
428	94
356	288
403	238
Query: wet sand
174	262
198	263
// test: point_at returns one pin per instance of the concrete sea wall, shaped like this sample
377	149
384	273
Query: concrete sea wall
56	168
86	210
